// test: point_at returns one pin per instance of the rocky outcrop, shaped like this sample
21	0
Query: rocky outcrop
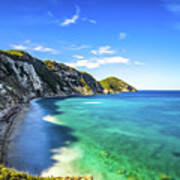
115	85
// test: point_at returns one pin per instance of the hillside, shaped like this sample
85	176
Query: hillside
23	77
115	85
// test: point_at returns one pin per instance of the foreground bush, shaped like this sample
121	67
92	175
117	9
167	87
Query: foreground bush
10	174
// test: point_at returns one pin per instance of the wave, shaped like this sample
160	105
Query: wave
52	119
93	102
63	166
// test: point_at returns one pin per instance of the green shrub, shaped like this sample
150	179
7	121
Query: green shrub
15	53
10	174
50	65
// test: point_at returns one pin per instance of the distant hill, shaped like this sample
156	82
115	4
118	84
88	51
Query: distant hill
115	85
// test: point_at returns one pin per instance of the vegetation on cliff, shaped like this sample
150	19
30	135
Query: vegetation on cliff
15	53
54	66
115	85
87	83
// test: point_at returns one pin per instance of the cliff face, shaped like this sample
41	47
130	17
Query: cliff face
115	85
23	77
80	82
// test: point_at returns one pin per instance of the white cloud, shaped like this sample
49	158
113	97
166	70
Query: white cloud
78	47
122	35
92	21
84	63
33	47
97	62
138	63
70	21
94	52
73	20
44	49
103	50
19	47
89	20
114	60
78	57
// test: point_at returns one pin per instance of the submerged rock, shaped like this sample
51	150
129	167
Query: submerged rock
176	154
121	171
104	153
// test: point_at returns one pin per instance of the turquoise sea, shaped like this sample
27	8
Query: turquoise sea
112	137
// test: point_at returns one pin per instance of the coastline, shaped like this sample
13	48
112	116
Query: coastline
10	119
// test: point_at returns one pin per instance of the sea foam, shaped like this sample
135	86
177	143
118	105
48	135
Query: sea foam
63	166
52	119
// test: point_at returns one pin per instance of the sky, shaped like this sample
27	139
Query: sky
137	41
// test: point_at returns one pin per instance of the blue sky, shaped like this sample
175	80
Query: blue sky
135	40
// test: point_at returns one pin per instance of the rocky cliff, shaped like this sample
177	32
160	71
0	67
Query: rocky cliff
23	77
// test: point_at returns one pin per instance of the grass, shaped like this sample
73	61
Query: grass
13	52
84	84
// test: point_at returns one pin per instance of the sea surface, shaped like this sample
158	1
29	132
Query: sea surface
112	137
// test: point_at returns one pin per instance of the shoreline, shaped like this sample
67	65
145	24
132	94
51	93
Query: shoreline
10	119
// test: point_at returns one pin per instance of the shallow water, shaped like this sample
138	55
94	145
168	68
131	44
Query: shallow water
112	137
